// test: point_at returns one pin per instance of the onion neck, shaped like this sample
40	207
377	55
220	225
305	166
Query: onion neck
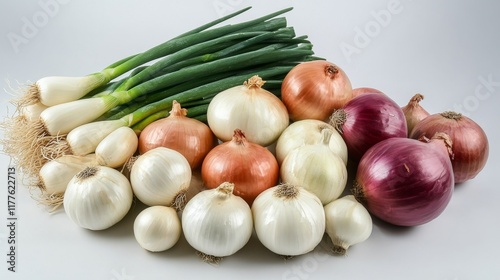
452	115
239	137
357	191
255	82
415	100
331	71
442	141
87	173
338	119
177	110
286	191
225	189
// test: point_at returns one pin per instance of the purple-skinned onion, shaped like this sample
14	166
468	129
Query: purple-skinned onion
414	113
470	143
368	119
404	181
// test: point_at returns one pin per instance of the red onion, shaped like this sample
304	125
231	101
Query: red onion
314	89
249	166
470	144
414	113
404	181
368	119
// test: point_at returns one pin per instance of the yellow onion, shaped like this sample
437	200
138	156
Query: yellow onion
249	166
188	136
314	89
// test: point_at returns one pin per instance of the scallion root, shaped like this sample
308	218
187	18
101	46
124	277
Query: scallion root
53	201
24	141
31	95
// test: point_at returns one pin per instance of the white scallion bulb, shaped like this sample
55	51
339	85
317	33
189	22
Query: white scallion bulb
56	89
317	169
288	220
117	148
347	223
217	223
157	228
32	112
161	176
84	139
64	117
97	197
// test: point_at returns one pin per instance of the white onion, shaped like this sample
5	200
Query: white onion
288	220
97	197
250	108
347	223
161	176
157	228
217	223
317	169
308	132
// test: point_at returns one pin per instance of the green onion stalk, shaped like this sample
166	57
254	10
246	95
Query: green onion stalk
77	113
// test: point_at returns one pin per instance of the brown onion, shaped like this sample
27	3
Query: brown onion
470	144
188	136
314	89
249	166
414	113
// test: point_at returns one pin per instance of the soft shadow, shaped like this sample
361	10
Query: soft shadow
391	229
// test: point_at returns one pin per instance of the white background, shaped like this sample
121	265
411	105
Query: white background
442	49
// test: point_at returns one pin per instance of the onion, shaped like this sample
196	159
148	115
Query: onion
308	132
470	143
314	89
317	169
368	119
188	136
364	90
414	113
249	166
250	108
404	181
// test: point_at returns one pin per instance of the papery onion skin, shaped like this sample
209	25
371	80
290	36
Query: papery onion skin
190	137
314	89
404	181
414	113
368	119
470	143
249	166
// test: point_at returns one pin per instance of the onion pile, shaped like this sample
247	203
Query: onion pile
252	161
